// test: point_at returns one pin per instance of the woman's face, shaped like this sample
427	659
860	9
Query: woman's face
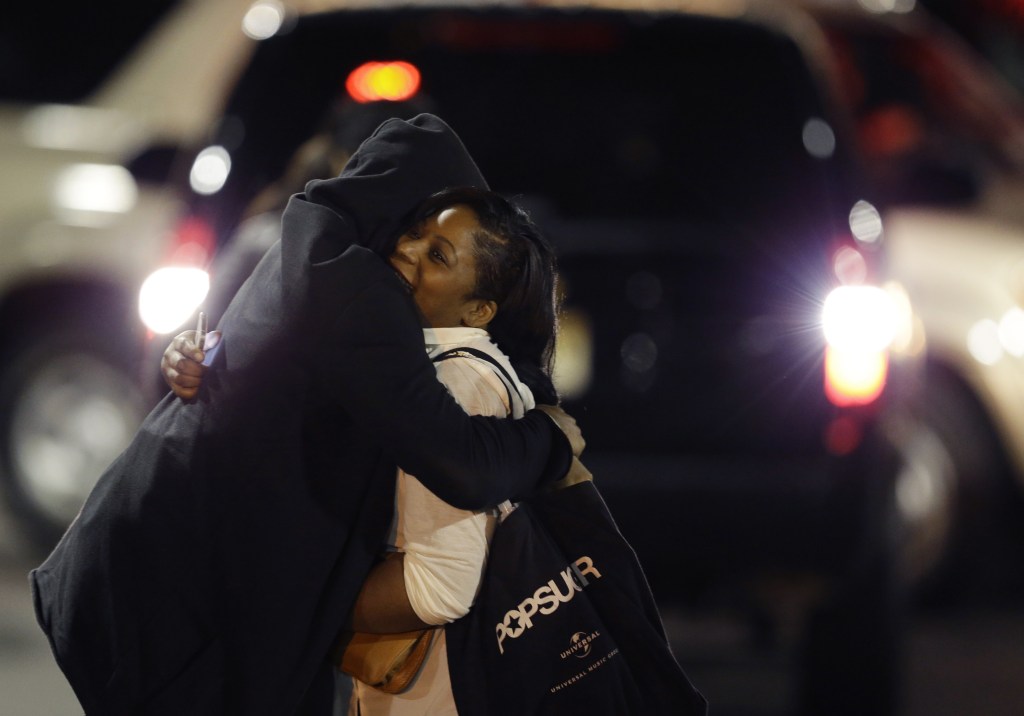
437	261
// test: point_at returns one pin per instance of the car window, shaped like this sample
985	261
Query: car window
711	120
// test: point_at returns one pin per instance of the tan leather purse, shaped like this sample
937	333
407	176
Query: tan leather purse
387	662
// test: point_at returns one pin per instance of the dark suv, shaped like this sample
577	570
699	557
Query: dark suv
740	373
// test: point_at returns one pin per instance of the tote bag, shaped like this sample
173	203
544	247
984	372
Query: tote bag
565	621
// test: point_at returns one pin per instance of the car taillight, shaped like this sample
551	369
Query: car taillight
860	324
389	81
172	293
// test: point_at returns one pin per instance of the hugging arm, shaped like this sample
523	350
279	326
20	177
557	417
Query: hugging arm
383	605
391	388
374	341
387	384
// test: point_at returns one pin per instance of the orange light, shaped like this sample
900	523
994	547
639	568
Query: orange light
854	377
390	81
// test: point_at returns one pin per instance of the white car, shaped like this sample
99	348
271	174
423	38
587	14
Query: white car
86	214
942	136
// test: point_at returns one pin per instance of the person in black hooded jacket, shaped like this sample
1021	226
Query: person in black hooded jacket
218	556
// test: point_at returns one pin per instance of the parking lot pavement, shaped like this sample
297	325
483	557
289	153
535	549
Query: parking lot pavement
969	662
963	659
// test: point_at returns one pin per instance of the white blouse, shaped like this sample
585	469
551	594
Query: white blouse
445	548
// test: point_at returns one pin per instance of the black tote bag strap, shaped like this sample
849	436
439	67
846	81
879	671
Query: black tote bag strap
464	352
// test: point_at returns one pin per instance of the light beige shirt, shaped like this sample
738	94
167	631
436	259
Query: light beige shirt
445	548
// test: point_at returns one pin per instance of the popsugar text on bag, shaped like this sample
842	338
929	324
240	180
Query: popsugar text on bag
545	600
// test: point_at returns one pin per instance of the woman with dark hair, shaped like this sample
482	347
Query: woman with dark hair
483	279
516	268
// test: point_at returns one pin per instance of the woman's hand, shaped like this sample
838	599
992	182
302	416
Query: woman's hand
182	365
567	424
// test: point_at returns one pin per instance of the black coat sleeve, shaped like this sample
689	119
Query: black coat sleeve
373	341
393	391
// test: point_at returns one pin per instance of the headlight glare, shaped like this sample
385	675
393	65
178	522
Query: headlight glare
170	295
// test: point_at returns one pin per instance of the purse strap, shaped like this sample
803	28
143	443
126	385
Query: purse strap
507	507
467	352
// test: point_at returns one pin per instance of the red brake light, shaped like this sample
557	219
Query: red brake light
193	243
390	81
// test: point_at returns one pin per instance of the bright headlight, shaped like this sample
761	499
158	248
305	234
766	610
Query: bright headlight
860	318
860	324
169	296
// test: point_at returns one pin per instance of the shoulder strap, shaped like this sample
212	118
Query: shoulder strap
507	507
463	352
